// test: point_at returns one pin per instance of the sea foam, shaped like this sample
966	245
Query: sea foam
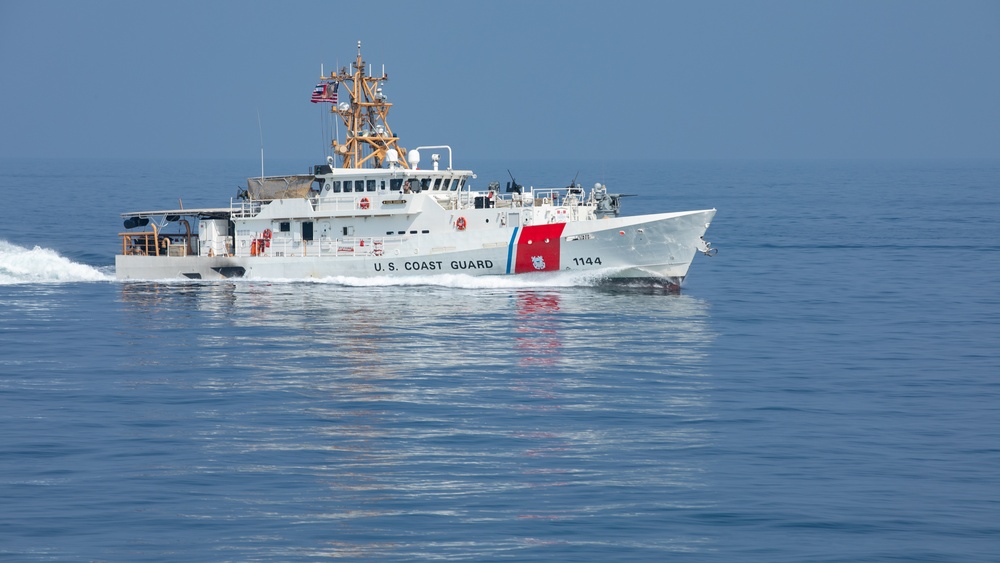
42	265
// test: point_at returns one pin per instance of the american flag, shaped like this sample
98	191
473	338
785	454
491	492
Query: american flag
325	92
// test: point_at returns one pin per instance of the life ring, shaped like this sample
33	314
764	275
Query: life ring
364	203
460	223
267	234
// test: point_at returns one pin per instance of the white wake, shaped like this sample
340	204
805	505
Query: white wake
43	265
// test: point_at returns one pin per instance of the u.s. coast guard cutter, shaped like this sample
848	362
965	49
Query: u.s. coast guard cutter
379	213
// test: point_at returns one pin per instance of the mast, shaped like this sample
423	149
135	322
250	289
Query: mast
363	108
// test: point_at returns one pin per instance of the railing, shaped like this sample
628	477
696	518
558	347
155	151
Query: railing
357	203
347	246
531	197
244	208
558	196
144	243
153	243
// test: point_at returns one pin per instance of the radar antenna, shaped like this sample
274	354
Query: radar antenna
364	110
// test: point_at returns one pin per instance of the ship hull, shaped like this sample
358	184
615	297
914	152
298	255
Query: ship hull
647	246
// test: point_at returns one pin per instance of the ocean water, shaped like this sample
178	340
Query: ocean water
827	388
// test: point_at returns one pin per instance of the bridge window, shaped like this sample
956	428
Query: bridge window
371	185
395	184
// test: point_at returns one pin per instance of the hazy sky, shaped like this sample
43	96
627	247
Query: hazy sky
508	79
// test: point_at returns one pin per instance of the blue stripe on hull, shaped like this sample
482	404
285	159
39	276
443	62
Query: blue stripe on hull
510	249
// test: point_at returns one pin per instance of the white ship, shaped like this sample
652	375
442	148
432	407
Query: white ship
375	211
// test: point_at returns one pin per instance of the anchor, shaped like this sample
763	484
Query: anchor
705	247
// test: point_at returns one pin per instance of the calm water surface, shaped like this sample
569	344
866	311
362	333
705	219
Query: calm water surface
825	389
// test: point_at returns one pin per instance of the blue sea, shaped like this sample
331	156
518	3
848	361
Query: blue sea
826	388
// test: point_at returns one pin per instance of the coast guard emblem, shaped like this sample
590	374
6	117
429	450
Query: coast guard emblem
538	262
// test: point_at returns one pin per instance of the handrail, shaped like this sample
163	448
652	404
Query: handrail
438	147
148	243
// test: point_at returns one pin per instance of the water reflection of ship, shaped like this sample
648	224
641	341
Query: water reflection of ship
269	318
382	420
150	296
538	341
317	362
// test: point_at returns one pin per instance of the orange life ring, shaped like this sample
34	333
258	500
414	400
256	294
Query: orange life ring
267	234
364	203
460	223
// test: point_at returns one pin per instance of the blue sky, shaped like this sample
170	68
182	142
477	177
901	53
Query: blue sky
512	79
